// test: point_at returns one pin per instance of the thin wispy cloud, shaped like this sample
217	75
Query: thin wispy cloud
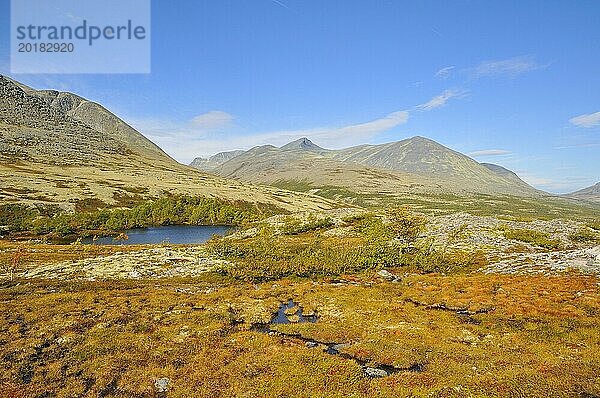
373	127
445	73
280	3
587	120
198	127
441	100
154	127
511	67
333	137
212	120
489	152
199	140
214	131
559	185
578	146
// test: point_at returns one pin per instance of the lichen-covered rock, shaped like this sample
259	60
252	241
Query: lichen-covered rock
157	262
387	275
162	385
375	373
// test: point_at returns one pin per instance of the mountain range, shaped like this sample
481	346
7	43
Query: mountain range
413	165
61	149
591	193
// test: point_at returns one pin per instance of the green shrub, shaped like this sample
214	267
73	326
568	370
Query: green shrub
585	235
594	225
356	217
17	217
533	237
375	230
268	256
406	226
170	210
447	261
271	257
225	248
295	226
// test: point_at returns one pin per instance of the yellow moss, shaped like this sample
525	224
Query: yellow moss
117	338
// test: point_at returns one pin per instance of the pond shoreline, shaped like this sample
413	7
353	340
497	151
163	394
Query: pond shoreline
86	237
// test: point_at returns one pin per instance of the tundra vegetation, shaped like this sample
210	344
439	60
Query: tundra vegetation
384	291
446	298
536	238
459	335
382	242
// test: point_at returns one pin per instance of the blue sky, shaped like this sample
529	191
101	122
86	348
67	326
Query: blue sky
515	83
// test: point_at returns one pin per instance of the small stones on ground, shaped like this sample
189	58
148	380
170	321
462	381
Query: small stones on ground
135	275
388	276
466	337
584	260
375	373
335	349
162	385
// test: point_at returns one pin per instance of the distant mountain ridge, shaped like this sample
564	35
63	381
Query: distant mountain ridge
591	193
416	163
214	161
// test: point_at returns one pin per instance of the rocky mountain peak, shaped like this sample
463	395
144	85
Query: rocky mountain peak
302	144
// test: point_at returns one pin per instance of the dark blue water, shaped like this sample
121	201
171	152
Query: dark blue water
282	318
175	234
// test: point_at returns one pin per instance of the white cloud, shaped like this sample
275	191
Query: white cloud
370	128
442	99
559	185
281	4
586	120
212	120
444	73
507	67
187	141
489	152
332	137
199	127
576	146
214	132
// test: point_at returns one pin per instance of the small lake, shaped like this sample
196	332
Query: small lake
175	234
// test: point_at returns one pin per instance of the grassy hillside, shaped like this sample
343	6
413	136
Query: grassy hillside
59	149
415	165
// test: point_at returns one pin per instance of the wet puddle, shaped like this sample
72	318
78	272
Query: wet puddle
291	312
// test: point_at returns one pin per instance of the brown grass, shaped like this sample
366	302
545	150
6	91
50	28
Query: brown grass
533	336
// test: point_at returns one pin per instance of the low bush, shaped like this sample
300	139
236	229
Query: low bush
382	245
585	235
405	225
532	237
16	217
295	226
448	261
173	210
270	257
594	225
